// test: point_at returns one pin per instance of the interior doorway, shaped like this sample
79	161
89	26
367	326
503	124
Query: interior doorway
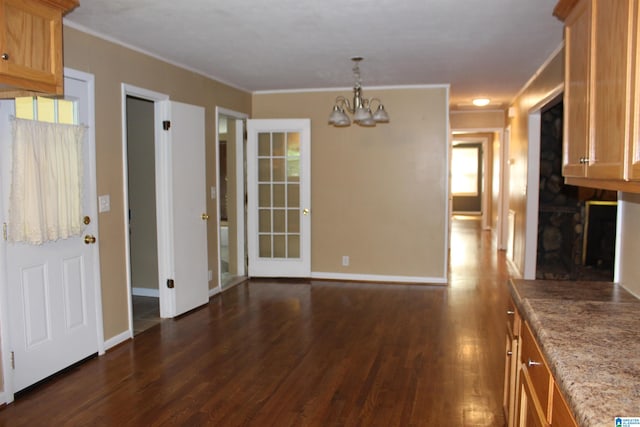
467	177
231	190
142	223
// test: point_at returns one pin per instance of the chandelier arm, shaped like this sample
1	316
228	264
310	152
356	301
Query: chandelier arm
374	99
344	103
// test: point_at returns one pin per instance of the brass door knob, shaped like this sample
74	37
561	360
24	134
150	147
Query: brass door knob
89	239
205	217
305	211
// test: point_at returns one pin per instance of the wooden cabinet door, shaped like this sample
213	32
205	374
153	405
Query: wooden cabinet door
633	148
31	46
610	91
560	413
530	412
576	95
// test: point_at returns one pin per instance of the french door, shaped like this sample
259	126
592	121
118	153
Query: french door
279	197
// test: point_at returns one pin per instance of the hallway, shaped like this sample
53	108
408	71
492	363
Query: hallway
296	353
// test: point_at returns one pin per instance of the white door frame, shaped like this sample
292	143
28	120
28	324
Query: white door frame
161	196
240	186
6	395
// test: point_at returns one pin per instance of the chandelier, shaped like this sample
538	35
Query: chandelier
360	108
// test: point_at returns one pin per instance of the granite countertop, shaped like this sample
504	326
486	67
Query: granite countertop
589	333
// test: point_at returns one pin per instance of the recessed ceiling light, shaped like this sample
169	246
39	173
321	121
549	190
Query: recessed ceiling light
481	102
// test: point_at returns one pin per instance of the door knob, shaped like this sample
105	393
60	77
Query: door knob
89	239
305	211
205	217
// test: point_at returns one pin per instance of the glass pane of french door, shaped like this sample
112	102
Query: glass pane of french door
279	206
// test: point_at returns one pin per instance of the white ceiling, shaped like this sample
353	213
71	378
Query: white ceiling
480	47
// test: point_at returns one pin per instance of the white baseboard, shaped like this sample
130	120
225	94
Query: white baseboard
379	278
120	338
145	292
5	397
214	291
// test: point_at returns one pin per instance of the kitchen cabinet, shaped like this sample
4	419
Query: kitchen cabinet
531	397
535	383
560	413
601	147
633	150
598	41
31	46
511	365
540	402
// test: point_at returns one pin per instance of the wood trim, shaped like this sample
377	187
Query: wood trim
65	5
563	8
614	185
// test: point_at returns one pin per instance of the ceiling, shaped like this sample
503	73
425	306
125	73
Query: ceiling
480	47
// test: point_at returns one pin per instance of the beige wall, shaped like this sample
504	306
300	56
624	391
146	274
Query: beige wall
378	194
495	182
540	88
112	65
629	274
474	120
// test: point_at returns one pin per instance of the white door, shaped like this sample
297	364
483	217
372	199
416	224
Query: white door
187	227
279	197
53	288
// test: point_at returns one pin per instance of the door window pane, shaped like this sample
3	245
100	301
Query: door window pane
294	246
279	246
278	144
265	246
264	144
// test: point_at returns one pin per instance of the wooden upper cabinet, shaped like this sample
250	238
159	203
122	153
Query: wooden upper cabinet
31	46
576	91
598	42
602	86
633	149
610	98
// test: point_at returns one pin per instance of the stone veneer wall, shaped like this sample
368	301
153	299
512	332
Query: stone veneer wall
561	215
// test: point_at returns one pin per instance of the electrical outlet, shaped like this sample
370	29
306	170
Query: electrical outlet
210	275
345	260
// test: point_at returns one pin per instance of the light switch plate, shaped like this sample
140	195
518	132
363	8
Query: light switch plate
104	203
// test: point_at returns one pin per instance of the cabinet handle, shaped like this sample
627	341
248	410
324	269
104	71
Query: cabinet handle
531	363
509	353
5	56
584	160
510	312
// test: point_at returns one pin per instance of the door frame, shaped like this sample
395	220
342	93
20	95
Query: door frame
162	186
240	189
6	395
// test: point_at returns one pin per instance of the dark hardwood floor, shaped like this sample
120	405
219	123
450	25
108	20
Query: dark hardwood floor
268	353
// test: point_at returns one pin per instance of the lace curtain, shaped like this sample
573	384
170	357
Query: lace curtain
46	182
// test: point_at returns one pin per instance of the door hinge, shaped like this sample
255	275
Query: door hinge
13	360
170	284
4	230
166	124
